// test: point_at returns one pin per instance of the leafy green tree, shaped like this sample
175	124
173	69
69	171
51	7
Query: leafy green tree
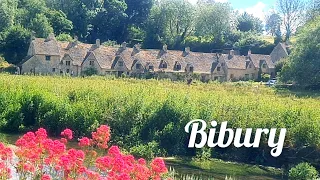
303	66
172	21
15	44
108	24
138	12
213	19
59	22
8	10
273	23
41	26
247	22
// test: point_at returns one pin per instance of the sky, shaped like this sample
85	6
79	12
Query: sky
258	8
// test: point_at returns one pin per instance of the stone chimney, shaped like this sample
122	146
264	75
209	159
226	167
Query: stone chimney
136	49
124	45
98	43
164	50
231	54
33	36
51	37
186	51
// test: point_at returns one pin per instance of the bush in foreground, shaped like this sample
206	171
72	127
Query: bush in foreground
303	171
39	157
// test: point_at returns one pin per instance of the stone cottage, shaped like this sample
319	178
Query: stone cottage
49	56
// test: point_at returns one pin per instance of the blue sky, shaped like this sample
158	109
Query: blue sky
257	8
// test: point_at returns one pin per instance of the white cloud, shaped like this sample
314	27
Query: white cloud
258	10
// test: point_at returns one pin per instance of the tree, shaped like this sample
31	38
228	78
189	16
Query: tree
59	22
41	26
15	44
108	24
8	10
247	22
303	65
292	15
213	19
173	21
273	23
313	10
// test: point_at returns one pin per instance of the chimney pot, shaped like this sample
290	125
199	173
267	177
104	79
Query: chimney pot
98	43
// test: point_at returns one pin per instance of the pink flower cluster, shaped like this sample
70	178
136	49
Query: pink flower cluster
40	157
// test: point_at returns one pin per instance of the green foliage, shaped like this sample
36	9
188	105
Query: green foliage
303	171
304	61
59	22
149	150
247	22
15	44
64	37
41	26
90	71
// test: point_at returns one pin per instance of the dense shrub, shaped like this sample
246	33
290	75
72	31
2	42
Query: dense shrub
303	171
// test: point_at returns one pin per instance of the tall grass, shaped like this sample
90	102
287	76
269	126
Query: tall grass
151	114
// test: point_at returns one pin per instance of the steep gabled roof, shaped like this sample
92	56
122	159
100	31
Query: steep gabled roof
257	58
235	62
46	47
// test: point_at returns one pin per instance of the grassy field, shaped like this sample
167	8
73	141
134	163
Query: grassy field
148	116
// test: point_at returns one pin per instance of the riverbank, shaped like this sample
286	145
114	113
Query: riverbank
218	169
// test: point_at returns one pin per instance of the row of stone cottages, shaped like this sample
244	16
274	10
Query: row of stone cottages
49	56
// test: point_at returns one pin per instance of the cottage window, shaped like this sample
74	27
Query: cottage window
61	72
253	75
231	76
246	76
191	69
222	64
48	58
216	78
68	70
120	63
264	66
151	67
164	65
138	66
178	67
91	63
218	68
250	66
53	69
68	63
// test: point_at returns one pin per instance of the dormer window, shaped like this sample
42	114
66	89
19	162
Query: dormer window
68	63
138	66
120	63
48	58
151	67
250	66
218	68
164	65
177	66
264	66
222	64
91	63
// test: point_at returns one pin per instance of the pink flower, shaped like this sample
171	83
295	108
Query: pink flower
67	133
83	142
